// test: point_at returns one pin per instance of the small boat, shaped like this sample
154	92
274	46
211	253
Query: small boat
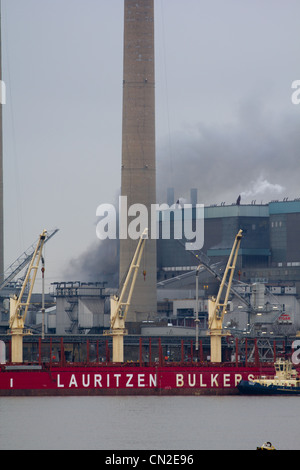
285	382
266	446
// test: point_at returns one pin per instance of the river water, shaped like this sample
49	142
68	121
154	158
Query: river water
149	423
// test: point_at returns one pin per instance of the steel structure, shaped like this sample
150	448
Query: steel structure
17	315
120	305
22	261
217	308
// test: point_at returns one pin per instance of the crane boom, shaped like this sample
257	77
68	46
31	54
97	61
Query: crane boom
119	305
17	315
22	261
204	261
217	308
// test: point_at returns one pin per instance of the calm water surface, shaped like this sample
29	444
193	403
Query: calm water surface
150	423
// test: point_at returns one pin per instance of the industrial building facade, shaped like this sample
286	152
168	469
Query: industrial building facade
267	272
270	248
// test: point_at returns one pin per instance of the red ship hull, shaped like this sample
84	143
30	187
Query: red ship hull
125	380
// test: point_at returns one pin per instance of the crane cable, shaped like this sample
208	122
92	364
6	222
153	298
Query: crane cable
144	265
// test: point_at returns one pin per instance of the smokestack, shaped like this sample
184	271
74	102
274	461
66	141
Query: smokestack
194	197
138	180
1	168
170	196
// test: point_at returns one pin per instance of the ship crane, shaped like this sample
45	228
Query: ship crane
19	309
217	308
119	305
204	261
22	261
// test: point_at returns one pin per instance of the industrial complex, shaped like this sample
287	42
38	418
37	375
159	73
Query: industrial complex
174	285
264	301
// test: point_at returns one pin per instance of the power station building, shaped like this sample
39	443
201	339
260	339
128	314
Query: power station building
267	272
270	248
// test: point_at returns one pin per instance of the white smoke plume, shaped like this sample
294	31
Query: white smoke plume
262	187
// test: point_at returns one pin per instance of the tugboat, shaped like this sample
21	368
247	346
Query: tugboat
285	382
266	446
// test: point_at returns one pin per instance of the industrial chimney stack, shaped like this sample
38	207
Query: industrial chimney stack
138	147
1	168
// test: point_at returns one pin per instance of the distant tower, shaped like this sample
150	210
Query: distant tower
138	146
1	168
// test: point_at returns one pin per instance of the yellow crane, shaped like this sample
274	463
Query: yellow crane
19	309
119	305
217	308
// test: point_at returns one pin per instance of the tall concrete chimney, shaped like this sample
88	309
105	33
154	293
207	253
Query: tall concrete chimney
1	167
138	181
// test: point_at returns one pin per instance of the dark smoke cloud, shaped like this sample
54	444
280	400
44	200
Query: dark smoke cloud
99	263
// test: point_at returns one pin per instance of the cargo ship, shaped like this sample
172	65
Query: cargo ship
63	367
118	377
127	379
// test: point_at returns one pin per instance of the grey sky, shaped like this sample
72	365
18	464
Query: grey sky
224	116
